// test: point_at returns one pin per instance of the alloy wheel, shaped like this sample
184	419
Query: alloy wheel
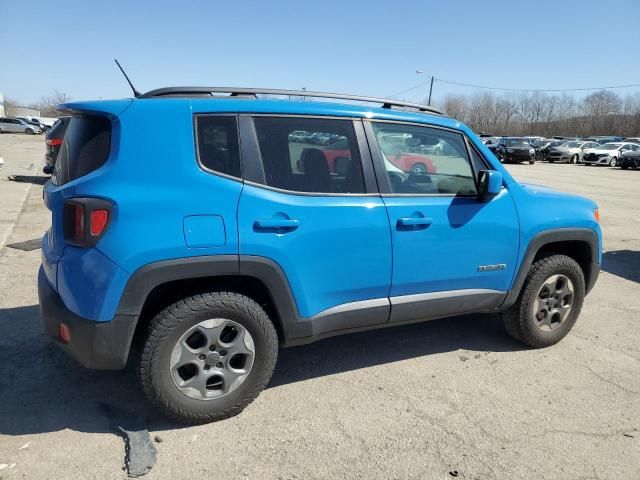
553	302
212	359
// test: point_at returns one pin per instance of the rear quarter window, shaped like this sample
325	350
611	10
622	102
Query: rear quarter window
217	143
85	148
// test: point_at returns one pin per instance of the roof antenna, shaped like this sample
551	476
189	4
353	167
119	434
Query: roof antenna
136	93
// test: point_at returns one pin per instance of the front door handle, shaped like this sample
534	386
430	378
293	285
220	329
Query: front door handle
278	225
414	223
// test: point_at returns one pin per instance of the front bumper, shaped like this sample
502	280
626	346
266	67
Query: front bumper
100	345
596	161
517	156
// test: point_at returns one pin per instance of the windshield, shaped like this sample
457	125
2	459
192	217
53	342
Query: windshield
609	146
571	144
517	142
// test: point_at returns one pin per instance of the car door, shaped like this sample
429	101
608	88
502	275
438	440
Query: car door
315	213
452	252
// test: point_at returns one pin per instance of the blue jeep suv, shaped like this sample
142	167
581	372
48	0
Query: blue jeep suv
200	248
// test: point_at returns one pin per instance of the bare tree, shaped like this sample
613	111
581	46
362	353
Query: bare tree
48	105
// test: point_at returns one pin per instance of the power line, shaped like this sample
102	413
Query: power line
610	87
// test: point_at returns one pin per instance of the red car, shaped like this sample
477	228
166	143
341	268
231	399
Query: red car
408	162
412	162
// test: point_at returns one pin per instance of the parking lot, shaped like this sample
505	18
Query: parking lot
453	398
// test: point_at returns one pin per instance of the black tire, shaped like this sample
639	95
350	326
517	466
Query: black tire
519	321
574	159
166	328
29	131
624	166
613	162
531	162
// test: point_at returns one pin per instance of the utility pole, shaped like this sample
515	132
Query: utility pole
421	72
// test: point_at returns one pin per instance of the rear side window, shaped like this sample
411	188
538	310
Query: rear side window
85	148
310	155
217	142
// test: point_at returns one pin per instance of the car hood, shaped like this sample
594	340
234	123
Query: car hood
547	192
598	151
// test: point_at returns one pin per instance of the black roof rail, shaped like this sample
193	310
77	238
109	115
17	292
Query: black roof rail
254	92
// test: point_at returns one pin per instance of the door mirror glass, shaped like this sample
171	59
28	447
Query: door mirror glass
489	183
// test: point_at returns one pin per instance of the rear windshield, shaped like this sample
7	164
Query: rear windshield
58	129
85	148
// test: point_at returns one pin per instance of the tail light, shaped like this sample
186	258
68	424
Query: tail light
85	220
54	142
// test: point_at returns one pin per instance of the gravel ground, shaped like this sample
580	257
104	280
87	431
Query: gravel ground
442	399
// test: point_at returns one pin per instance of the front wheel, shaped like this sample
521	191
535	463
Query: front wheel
549	303
206	357
574	159
613	162
29	131
419	168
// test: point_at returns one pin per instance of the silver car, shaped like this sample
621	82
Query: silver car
571	152
608	154
16	125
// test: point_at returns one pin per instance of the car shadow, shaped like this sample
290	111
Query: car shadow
42	389
623	263
35	179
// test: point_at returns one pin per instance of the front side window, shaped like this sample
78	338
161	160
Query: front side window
424	160
218	147
310	155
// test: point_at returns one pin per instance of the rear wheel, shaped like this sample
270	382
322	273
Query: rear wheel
207	357
29	131
624	166
549	303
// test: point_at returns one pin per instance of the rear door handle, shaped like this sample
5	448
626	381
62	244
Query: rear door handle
278	225
415	222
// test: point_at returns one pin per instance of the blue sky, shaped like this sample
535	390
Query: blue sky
365	47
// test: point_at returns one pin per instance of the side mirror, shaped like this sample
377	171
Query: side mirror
489	184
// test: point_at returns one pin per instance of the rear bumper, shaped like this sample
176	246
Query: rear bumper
100	345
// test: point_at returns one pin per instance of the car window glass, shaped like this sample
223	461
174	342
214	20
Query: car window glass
218	147
310	155
424	160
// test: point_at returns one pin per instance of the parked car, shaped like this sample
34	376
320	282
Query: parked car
515	150
492	144
222	252
36	121
570	152
299	136
630	159
17	125
543	151
606	139
632	140
53	143
607	154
